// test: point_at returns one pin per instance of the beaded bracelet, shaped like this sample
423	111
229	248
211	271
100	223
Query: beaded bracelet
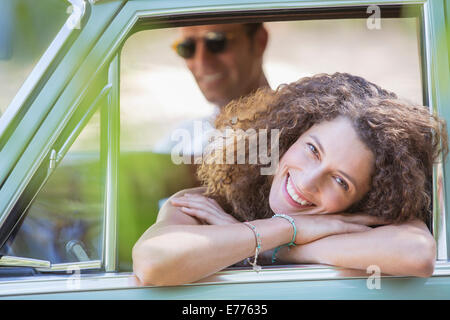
292	243
256	267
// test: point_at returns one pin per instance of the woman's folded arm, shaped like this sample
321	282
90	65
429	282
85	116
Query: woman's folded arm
178	249
406	249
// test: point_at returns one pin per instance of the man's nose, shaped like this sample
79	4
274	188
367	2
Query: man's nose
202	55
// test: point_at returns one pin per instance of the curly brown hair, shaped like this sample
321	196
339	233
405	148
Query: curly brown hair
406	140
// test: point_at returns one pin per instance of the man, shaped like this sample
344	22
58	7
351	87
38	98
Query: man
226	62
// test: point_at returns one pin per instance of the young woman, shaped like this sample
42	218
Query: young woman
351	189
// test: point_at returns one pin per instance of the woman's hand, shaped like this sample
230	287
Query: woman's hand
207	210
313	227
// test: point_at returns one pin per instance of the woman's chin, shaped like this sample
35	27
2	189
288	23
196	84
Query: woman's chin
278	208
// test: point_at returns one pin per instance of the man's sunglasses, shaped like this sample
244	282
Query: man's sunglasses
215	42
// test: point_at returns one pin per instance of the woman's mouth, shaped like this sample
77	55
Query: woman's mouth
294	196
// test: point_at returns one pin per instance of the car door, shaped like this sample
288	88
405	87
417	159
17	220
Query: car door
49	177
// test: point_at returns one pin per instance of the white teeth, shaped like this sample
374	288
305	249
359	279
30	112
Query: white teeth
294	195
211	77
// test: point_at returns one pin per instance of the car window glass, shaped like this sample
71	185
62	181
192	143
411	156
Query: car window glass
24	38
67	213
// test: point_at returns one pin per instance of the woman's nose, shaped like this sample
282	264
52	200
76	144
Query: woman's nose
310	180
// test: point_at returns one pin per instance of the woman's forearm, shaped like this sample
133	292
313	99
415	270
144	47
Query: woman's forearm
177	254
407	249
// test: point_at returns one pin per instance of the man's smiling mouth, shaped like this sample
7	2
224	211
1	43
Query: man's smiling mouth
211	77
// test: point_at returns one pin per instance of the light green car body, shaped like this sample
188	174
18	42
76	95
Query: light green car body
84	69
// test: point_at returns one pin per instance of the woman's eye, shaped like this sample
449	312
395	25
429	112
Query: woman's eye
342	183
313	149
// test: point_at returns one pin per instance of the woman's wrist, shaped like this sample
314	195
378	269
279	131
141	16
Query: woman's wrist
256	267
273	232
294	230
305	253
292	222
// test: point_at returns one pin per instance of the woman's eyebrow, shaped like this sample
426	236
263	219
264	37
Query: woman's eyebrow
319	145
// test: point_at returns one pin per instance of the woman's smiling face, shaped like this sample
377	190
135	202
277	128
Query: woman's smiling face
326	170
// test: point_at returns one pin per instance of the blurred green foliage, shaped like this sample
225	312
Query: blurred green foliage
28	26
